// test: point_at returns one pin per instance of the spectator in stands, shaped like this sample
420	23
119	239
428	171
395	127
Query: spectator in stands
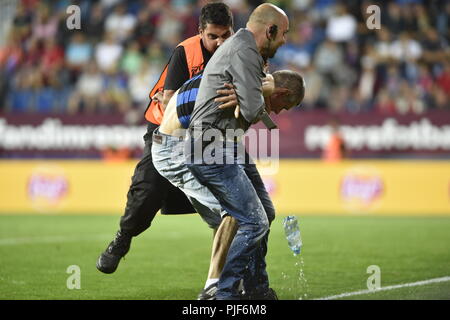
45	96
392	18
434	47
367	80
45	25
95	25
408	100
107	53
33	53
314	82
443	79
443	21
393	79
424	80
132	59
341	26
155	54
328	41
86	96
52	55
78	52
139	82
406	49
295	52
145	29
11	55
22	22
20	96
109	4
170	28
120	24
384	103
383	46
439	99
114	98
322	9
190	21
328	57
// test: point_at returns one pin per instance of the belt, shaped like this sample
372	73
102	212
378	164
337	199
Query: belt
162	139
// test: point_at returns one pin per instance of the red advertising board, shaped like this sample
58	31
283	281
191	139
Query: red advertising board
301	134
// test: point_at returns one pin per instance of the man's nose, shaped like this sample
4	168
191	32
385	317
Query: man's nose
220	41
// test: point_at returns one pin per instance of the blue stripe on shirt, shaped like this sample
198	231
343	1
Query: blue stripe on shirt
187	96
184	120
194	78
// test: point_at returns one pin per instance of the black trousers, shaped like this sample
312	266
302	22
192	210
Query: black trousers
149	192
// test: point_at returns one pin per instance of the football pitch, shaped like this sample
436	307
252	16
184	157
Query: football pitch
170	260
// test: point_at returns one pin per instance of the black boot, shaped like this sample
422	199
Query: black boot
110	258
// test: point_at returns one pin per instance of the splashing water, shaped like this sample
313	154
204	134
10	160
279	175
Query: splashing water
295	282
298	285
302	281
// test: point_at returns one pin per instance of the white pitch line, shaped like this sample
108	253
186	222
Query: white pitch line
398	286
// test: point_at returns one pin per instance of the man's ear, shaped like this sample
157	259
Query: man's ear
200	30
281	92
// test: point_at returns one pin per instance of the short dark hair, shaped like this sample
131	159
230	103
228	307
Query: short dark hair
216	13
293	81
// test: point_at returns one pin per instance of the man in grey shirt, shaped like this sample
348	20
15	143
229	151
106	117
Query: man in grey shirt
240	60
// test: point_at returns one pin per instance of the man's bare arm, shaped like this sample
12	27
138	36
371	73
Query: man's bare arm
166	98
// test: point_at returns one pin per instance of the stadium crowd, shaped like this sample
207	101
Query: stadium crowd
112	62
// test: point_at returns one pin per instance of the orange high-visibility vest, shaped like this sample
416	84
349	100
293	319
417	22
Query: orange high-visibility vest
194	59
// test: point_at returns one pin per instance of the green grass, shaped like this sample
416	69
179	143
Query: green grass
170	260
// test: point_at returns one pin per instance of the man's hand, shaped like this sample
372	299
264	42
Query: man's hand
158	97
268	85
228	99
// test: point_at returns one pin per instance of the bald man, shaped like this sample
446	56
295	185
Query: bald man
237	184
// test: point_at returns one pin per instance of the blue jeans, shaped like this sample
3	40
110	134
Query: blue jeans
168	159
241	193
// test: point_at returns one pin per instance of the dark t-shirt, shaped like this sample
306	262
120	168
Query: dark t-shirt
177	71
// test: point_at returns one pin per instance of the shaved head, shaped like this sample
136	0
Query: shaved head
266	14
269	24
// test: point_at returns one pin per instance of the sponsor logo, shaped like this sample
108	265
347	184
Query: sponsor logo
47	188
270	184
361	188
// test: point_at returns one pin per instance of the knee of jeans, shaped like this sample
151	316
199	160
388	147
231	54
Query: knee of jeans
264	226
260	227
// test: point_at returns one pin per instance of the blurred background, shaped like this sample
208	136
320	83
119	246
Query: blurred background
374	123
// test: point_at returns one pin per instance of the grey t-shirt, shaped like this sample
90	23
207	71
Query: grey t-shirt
239	62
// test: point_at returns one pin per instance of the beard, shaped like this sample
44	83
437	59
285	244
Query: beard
270	51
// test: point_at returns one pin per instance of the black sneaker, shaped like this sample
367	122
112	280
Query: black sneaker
270	294
110	258
208	293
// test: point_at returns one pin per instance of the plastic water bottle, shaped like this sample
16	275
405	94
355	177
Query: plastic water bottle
292	232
